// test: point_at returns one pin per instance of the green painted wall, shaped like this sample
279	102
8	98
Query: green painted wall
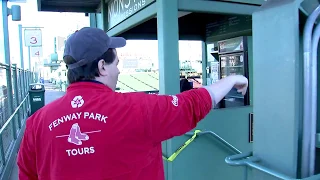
204	158
278	86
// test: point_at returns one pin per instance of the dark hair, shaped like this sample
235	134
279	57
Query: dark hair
185	85
90	70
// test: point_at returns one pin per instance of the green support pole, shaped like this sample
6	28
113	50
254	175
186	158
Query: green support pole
93	20
204	63
168	48
104	13
21	46
7	53
277	86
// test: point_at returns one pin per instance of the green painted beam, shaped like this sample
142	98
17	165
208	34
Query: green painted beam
216	7
93	20
168	48
139	18
153	36
258	2
99	7
104	15
59	8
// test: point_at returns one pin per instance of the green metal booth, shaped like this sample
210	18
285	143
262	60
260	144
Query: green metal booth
263	40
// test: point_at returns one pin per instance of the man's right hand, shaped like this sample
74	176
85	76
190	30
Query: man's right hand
220	89
240	83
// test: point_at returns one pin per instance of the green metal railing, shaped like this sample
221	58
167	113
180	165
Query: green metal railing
14	107
248	160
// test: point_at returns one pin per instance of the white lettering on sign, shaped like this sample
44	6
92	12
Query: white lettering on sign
36	99
119	10
80	151
33	37
77	116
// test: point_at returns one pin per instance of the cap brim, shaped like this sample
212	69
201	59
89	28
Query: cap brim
117	42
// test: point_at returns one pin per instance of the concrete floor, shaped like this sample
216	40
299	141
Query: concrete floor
50	95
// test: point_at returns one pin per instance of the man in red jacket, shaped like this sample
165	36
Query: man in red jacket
94	133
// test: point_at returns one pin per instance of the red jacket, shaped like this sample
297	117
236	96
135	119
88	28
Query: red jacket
93	133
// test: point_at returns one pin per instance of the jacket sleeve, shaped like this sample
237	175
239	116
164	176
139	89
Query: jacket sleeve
26	156
169	116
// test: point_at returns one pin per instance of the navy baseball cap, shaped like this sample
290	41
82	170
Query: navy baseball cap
88	44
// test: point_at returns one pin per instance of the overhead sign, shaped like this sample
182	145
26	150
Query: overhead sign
36	51
119	10
228	24
33	37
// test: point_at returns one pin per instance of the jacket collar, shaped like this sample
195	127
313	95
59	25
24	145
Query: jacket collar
91	84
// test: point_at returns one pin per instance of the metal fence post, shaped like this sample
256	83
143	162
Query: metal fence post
16	93
28	82
13	122
9	90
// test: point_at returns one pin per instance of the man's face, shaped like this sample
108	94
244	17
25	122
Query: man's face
110	72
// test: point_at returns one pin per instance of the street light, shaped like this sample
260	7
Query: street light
15	12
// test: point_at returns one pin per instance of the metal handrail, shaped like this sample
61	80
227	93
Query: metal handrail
3	64
309	95
13	114
247	159
220	139
7	65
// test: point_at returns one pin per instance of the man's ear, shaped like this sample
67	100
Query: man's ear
101	67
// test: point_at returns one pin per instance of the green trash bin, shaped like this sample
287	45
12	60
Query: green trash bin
36	96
